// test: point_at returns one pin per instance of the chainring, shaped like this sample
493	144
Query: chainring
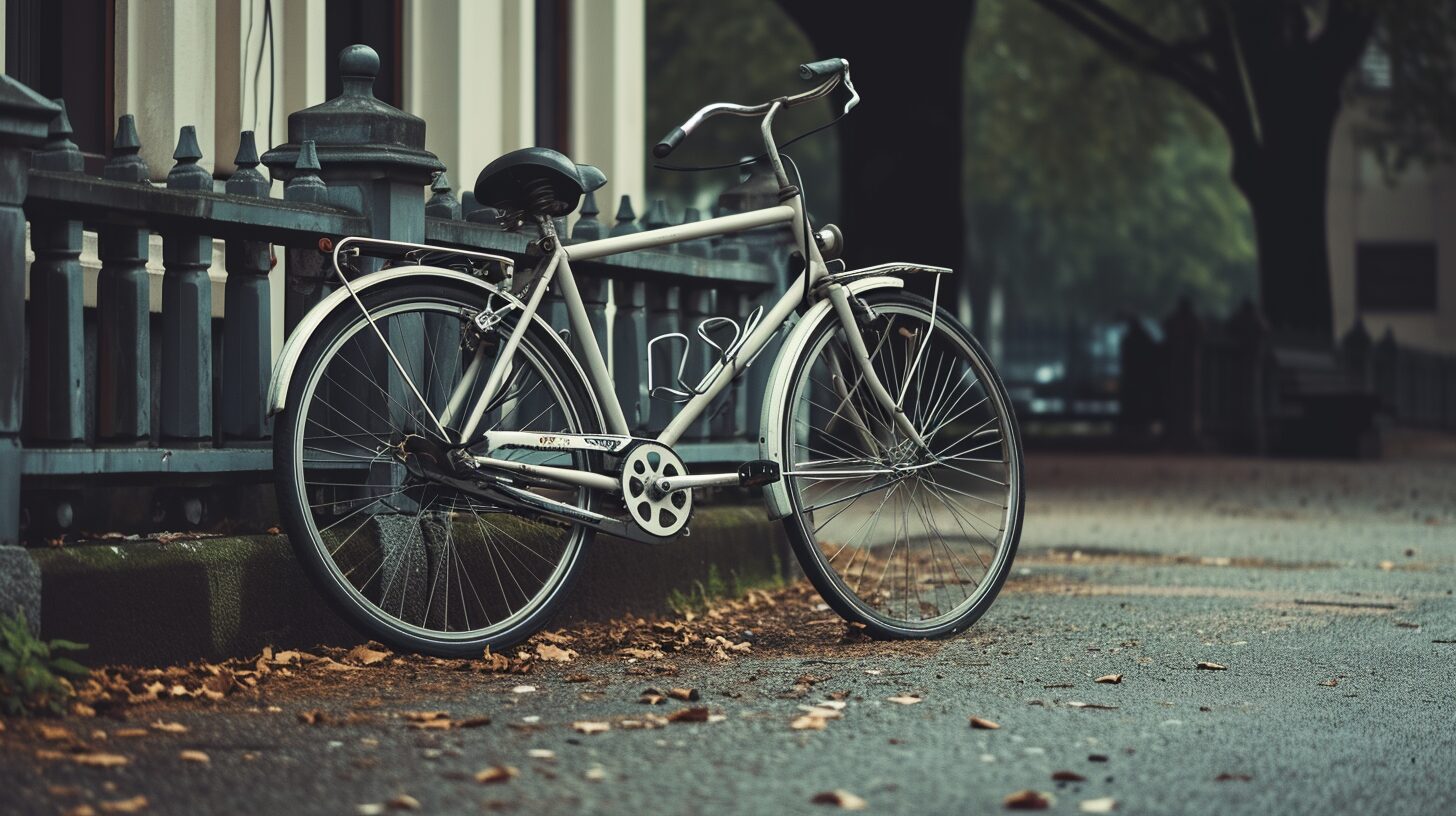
660	515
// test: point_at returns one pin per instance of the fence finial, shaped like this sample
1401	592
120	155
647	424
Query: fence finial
59	152
656	217
246	180
126	163
306	185
443	203
626	218
187	174
358	68
588	228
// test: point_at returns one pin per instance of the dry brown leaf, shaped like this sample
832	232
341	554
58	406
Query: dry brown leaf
808	722
596	773
53	732
1027	800
404	802
1232	777
135	804
425	716
541	753
312	717
1067	776
591	726
905	699
555	654
842	799
983	723
1110	678
496	774
195	756
1208	666
643	654
688	694
696	714
1103	804
82	809
99	759
651	697
169	727
558	638
473	722
493	662
822	712
1329	683
1098	706
366	656
130	732
432	725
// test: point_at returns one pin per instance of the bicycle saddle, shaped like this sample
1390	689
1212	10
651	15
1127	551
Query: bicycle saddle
536	180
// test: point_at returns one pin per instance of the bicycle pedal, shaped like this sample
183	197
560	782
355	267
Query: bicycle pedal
758	473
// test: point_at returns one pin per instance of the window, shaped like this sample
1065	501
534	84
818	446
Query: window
377	24
1376	70
1395	277
63	48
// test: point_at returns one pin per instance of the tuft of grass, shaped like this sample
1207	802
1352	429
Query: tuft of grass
702	594
33	678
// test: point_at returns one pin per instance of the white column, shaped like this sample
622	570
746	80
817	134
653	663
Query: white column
165	70
303	65
470	74
608	92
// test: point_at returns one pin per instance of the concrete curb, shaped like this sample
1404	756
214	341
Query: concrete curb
150	603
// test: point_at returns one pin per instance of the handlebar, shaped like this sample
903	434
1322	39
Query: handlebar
833	71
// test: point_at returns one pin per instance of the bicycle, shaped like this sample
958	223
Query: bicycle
443	459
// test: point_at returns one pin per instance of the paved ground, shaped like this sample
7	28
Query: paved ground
1325	589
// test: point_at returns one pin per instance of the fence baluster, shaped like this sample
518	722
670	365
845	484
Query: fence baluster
698	305
588	228
442	203
56	404
187	311
247	341
626	218
629	351
123	305
662	317
307	271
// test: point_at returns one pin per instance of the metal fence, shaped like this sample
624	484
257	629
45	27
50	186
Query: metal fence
122	393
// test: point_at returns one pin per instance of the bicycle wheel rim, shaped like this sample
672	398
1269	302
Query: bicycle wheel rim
439	540
903	550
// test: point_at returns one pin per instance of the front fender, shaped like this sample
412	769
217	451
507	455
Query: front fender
339	299
770	437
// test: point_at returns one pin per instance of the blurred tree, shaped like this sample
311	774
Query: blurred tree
1094	189
1272	72
745	51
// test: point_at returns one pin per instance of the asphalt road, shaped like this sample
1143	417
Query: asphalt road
1289	575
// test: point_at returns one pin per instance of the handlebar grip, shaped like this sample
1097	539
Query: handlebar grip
821	68
669	143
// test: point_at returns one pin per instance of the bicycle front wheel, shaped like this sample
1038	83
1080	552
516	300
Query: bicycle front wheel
409	562
911	543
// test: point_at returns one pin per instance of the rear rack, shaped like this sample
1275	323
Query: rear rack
892	268
448	257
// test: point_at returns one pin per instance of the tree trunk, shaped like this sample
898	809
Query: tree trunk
1285	182
900	151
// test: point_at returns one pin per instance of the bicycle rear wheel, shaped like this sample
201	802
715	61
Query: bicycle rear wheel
910	544
416	565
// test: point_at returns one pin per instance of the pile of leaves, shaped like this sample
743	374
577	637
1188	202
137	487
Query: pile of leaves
33	677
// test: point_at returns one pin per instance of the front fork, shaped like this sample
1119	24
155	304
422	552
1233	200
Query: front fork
893	406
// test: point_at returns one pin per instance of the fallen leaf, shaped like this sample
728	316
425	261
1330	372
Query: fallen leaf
1109	678
169	727
905	699
1329	683
1067	776
473	722
1387	565
981	722
136	804
425	716
493	662
541	753
404	802
1027	800
1207	666
53	732
496	774
366	656
312	717
1104	804
834	704
99	760
695	714
1075	704
79	810
372	809
558	638
821	712
523	689
642	654
842	799
555	654
688	694
1232	777
808	722
596	773
591	726
191	755
130	732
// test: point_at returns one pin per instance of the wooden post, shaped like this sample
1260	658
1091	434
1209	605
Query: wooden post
187	313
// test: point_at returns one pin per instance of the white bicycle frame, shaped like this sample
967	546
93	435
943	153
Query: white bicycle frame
556	267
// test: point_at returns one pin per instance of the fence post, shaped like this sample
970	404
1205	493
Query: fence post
1184	332
56	400
247	340
24	122
123	307
187	312
629	351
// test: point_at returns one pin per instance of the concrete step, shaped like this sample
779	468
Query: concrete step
144	602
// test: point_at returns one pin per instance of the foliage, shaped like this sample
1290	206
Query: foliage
1415	117
744	51
1092	187
32	676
